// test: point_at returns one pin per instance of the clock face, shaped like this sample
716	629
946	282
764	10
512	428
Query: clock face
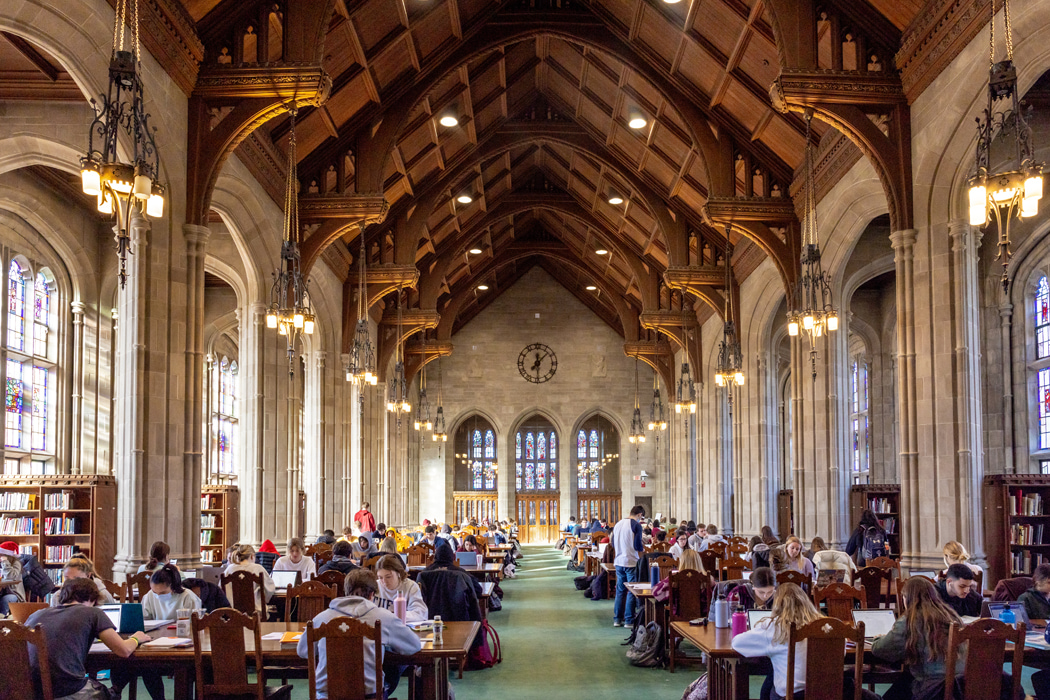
537	363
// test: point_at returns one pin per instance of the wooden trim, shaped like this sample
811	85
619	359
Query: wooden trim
482	505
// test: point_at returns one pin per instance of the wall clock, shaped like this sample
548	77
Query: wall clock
537	363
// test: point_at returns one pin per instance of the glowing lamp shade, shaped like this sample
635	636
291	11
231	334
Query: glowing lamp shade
1029	207
739	378
632	439
271	320
308	326
720	380
475	251
349	377
390	406
591	288
448	120
105	204
91	181
793	328
143	187
615	199
978	205
155	206
464	199
1033	187
282	329
298	320
833	322
641	438
807	322
636	120
601	251
483	287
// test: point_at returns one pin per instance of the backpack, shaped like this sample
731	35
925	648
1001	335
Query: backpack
582	583
697	690
874	543
486	654
648	647
34	578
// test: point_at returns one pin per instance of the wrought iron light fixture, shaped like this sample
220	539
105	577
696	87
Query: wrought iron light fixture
361	366
813	311
423	421
657	421
120	187
397	388
289	310
637	433
1013	192
686	401
729	369
439	434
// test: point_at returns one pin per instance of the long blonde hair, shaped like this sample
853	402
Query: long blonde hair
242	553
791	605
787	557
690	560
955	553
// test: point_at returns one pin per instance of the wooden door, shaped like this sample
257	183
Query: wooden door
480	505
537	518
594	504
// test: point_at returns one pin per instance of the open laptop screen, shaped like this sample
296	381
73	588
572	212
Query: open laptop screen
876	622
467	558
992	610
113	613
283	579
754	616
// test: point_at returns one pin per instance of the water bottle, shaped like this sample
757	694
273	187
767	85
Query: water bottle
720	611
654	574
739	620
1007	616
401	607
439	631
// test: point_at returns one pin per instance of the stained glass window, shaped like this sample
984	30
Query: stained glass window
41	315
530	476
581	456
1042	319
530	446
860	457
475	474
597	455
14	401
536	463
541	446
517	475
224	419
1044	409
553	446
475	446
16	307
541	476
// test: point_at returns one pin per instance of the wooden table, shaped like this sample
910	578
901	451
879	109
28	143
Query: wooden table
458	637
484	572
725	679
653	608
592	564
487	587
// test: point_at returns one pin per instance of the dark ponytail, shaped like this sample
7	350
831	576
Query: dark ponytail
158	552
168	575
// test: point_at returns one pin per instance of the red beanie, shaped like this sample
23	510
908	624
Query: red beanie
9	548
268	547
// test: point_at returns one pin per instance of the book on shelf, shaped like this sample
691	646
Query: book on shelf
27	549
889	525
55	575
1022	504
208	537
58	501
1026	534
209	520
1024	562
60	526
211	502
57	554
18	526
13	500
880	505
210	556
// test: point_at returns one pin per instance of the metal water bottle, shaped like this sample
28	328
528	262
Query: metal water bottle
654	574
401	607
739	620
720	611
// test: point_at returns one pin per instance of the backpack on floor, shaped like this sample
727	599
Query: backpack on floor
495	604
582	583
697	690
874	543
599	587
486	654
648	648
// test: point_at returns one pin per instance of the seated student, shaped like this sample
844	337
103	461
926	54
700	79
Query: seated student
327	538
711	537
498	537
380	532
294	560
581	528
647	536
569	526
360	590
758	553
267	555
429	536
242	558
70	627
958	590
1036	600
348	535
680	545
342	559
11	588
388	546
81	567
159	553
919	639
955	553
393	579
696	537
446	534
794	561
755	594
825	559
445	558
470	544
362	548
660	537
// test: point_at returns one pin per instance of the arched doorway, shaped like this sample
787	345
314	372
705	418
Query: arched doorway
536	480
598	470
474	492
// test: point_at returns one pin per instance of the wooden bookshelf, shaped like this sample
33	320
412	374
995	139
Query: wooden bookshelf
885	501
1016	524
785	514
80	509
220	521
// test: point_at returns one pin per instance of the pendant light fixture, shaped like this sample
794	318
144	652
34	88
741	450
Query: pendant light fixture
289	310
439	434
637	433
657	421
686	401
397	388
729	369
423	421
119	187
812	309
1017	190
361	365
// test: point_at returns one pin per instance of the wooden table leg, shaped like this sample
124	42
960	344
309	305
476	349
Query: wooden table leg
727	681
184	682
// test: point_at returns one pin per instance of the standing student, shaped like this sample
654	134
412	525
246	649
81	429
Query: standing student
364	520
11	588
70	628
393	580
295	560
959	591
868	539
242	558
159	553
627	542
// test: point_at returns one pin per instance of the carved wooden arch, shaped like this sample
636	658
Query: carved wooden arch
372	160
658	355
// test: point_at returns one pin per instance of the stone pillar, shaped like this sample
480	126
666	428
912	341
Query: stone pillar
355	475
903	243
313	475
252	421
726	483
1006	316
208	460
76	465
196	238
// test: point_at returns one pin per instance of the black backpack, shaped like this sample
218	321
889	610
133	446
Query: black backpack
874	543
34	578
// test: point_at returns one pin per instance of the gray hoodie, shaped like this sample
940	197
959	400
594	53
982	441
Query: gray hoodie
396	638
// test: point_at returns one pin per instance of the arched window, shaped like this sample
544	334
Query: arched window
860	426
597	455
1042	319
29	401
224	418
536	457
476	467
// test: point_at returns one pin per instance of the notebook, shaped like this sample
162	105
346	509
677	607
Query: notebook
754	616
283	579
992	610
467	558
876	622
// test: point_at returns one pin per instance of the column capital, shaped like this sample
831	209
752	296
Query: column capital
196	238
904	238
77	308
319	357
257	311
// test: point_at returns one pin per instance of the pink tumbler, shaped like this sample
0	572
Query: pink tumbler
401	606
739	623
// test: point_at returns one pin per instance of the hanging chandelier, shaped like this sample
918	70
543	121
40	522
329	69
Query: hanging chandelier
686	401
729	369
397	388
1013	192
656	408
361	366
813	311
439	433
120	187
289	310
637	433
423	421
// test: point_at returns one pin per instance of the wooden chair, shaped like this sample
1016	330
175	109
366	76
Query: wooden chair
322	557
661	546
20	612
331	578
840	599
791	576
419	555
370	562
597	537
737	549
311	598
137	586
733	567
719	548
119	591
225	628
875	582
14	650
737	539
983	672
886	563
826	640
689	598
245	591
709	559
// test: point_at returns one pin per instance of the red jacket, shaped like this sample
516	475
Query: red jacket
366	521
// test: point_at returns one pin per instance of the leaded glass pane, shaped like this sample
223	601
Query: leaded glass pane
530	476
475	442
581	475
581	445
1042	319
541	476
530	446
553	476
40	407
475	474
541	446
552	446
13	402
1044	409
517	471
594	444
41	314
16	307
517	446
490	445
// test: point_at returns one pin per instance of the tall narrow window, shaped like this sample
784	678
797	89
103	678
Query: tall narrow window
475	444
861	451
16	307
1042	319
224	419
597	455
536	457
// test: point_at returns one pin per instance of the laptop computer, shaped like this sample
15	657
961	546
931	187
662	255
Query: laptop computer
826	577
127	618
992	610
754	616
876	622
467	558
932	575
211	574
283	579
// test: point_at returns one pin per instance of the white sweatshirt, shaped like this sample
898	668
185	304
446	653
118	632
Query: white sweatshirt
252	568
306	566
417	609
759	642
156	608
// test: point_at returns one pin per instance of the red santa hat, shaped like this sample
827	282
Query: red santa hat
9	548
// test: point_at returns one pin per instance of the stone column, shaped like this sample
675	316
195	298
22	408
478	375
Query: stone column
1006	316
196	238
903	243
252	420
726	474
313	475
208	460
76	465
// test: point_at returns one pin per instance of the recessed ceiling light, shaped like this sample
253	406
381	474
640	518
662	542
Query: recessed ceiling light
636	120
601	251
482	287
475	251
464	198
615	199
591	287
672	2
448	120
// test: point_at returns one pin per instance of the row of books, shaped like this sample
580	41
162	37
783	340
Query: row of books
210	537
211	556
211	502
55	575
60	526
13	500
1024	562
880	505
1021	504
58	501
889	525
57	554
18	526
1026	534
209	520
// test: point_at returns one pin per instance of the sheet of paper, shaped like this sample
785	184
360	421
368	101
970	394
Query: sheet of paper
167	642
99	648
1035	639
149	625
272	636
